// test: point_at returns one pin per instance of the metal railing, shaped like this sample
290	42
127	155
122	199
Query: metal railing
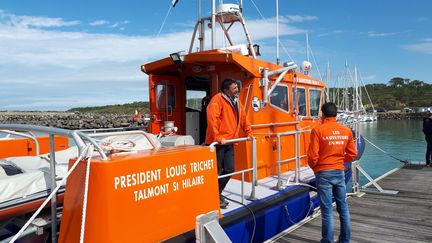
297	155
78	138
242	172
29	136
113	133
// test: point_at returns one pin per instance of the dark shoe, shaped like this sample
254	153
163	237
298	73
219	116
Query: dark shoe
223	203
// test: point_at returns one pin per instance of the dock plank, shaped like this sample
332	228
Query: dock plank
405	217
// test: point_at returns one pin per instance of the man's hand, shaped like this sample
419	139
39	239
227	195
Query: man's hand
249	138
223	141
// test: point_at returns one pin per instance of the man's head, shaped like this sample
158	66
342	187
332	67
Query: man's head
230	88
428	114
329	109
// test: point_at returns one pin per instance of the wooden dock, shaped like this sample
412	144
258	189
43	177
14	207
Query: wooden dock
405	217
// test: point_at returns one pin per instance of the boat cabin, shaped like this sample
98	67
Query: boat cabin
275	104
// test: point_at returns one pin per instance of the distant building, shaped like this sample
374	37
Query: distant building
407	110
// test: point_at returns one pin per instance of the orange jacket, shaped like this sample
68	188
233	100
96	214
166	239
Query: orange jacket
222	120
331	144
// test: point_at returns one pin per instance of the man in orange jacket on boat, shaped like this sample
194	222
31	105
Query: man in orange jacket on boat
331	145
225	118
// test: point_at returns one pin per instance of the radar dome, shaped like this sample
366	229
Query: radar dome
306	66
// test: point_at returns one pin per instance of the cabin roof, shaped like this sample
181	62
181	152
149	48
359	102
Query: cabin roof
246	63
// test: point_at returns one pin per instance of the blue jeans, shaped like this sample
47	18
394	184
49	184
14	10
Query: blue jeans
332	183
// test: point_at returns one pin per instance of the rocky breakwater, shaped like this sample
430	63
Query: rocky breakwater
67	120
399	116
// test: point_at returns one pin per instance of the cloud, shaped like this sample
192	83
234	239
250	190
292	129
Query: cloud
120	24
425	47
99	22
381	34
34	22
299	18
334	32
45	68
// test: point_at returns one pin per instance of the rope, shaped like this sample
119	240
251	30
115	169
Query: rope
394	157
163	23
280	43
86	185
49	197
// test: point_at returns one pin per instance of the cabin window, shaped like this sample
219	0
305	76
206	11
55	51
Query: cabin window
165	94
279	97
301	93
194	99
314	101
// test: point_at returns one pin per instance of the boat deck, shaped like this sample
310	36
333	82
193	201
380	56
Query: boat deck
405	217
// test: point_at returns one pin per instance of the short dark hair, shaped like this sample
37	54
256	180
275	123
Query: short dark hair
329	109
227	83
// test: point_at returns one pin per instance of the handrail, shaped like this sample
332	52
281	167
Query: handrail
227	142
297	155
242	172
77	136
31	136
254	163
103	134
98	130
266	82
274	124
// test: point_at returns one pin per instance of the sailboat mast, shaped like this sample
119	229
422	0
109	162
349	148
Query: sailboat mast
356	89
277	32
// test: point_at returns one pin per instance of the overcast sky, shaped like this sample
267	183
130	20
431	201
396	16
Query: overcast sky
56	55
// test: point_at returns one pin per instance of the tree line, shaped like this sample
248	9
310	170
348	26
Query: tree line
398	93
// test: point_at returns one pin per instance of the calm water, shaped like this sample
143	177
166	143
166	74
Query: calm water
402	139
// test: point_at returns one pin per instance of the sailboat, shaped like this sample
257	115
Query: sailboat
168	190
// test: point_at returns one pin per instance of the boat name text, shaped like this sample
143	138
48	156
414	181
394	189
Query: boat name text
187	174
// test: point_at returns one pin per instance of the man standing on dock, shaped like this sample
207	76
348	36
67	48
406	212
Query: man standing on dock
331	145
225	118
427	130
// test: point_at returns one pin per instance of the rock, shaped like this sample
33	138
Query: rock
67	120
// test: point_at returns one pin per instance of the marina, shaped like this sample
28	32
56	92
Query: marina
404	217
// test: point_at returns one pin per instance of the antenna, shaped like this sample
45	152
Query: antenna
201	26
277	32
307	46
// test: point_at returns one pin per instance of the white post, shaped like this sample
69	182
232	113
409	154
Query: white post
213	25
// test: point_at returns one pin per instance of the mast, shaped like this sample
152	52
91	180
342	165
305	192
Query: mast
201	26
328	82
356	94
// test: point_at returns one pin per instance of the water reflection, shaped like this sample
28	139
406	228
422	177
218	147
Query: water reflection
402	139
